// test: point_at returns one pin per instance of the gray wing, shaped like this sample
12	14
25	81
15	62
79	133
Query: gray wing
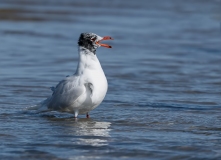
65	93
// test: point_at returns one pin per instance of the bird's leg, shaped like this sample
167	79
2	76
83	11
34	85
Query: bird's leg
87	115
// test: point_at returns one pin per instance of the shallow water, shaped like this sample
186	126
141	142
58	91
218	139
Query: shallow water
164	74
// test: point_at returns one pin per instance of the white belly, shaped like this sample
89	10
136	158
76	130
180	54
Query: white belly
97	83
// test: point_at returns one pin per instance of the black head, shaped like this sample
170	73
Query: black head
87	40
91	41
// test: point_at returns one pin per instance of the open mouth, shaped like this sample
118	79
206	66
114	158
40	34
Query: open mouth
104	45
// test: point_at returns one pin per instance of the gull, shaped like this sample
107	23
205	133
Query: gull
86	89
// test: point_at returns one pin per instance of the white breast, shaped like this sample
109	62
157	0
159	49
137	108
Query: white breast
99	87
91	75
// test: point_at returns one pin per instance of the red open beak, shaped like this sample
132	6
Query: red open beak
104	45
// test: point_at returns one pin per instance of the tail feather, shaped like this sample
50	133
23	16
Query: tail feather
40	107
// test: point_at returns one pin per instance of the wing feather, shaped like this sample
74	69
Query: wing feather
66	93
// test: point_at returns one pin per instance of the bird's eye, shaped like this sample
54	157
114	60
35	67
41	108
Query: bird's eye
93	39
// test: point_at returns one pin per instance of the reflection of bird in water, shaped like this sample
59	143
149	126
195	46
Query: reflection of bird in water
90	132
86	89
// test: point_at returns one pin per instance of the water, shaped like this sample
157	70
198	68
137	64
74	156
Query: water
164	74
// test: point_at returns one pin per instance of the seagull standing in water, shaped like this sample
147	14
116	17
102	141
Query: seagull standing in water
86	89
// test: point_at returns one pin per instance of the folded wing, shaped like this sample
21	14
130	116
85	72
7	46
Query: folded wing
66	93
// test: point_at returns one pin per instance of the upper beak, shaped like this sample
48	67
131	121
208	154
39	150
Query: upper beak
104	45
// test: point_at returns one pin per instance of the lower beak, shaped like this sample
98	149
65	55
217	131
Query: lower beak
104	45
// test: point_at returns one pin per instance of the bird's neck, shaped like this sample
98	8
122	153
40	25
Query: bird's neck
87	60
